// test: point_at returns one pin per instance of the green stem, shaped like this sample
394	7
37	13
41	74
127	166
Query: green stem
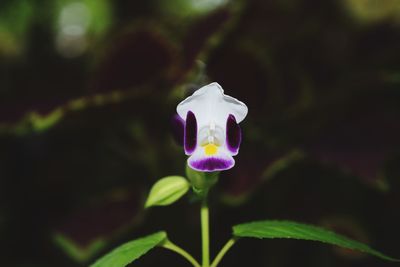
223	251
205	235
171	246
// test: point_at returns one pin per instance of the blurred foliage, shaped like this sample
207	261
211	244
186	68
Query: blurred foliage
88	89
15	20
370	11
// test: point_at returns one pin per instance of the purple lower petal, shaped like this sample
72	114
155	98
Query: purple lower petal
178	129
233	134
212	164
190	135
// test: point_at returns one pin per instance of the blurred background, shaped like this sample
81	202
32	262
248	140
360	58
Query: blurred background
88	89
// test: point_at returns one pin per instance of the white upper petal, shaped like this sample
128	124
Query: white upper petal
211	105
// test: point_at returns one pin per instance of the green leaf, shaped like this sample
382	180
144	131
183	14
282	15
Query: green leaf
288	229
167	190
128	252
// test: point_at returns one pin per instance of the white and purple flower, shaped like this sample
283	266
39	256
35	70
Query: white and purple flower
211	133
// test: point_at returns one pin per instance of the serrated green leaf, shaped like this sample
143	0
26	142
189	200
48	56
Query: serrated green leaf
167	190
293	230
128	252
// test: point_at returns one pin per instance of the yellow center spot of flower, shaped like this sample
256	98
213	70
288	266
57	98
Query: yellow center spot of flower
210	149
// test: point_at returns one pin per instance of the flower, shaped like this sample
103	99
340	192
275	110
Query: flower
211	132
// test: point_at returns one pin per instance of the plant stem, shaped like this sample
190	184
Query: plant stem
205	235
223	251
171	246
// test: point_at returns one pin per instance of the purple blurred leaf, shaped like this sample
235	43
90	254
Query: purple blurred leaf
360	143
136	57
199	34
89	229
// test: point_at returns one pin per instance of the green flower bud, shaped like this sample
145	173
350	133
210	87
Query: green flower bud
167	190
